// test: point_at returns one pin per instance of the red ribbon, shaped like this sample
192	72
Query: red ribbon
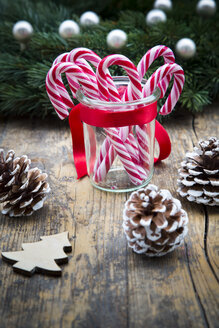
106	119
77	134
163	141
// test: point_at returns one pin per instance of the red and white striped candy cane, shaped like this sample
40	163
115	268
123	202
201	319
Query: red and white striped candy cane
150	56
82	63
165	70
71	79
135	92
53	79
146	61
104	150
83	53
107	155
102	169
82	57
109	93
76	55
108	159
129	67
135	176
144	64
134	170
58	95
89	87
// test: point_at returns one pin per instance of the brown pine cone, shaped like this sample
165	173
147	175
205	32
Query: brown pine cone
154	222
22	189
199	174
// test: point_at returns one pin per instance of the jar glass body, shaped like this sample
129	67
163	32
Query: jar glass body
119	159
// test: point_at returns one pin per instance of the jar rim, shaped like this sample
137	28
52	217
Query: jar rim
119	80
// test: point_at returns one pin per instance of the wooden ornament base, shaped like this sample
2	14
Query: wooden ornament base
42	256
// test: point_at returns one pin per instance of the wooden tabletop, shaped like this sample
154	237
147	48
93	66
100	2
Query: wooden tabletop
105	284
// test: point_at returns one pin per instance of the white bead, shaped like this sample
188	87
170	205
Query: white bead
68	28
186	48
22	30
206	7
155	16
116	39
89	18
163	5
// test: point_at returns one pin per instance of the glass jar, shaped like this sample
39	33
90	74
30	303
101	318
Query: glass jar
120	158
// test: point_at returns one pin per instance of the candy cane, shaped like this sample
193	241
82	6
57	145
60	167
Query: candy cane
129	68
76	55
53	79
142	68
165	70
82	63
106	155
129	145
60	103
160	78
83	53
150	56
146	61
133	93
125	157
143	138
81	57
101	171
71	79
119	141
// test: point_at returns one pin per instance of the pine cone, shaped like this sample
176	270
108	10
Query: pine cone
24	190
199	174
154	222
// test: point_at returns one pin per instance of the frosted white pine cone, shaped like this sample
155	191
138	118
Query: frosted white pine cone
199	174
154	222
22	190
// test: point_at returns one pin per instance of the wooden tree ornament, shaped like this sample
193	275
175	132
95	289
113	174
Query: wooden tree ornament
42	256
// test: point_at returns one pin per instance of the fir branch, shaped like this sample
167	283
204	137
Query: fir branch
23	73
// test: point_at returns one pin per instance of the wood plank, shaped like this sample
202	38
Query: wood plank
204	279
211	243
204	129
29	302
163	289
105	284
79	297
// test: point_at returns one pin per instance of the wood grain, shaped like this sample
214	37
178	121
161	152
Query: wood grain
41	256
105	284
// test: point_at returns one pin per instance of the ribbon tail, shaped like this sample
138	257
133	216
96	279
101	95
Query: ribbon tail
77	134
163	140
